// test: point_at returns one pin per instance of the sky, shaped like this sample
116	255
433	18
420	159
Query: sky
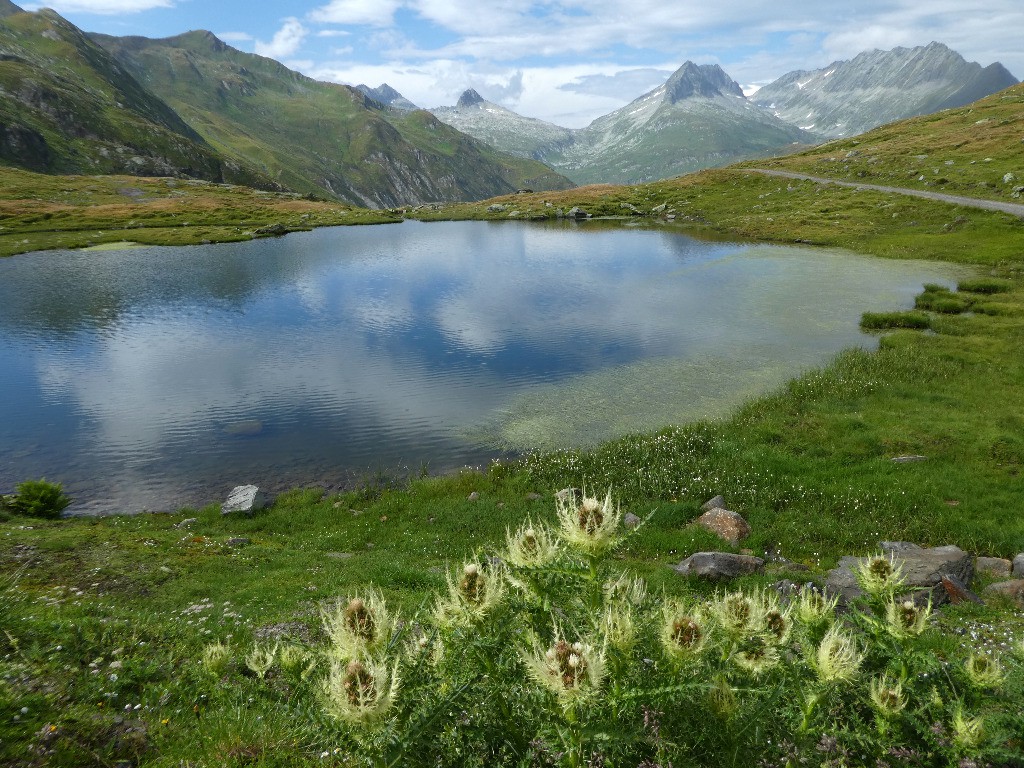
565	61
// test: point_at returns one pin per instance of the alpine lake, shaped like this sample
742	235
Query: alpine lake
155	378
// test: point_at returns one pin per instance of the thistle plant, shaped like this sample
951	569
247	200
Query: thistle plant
260	659
905	619
360	691
588	525
473	593
684	632
531	546
572	671
216	658
983	672
879	576
359	626
837	658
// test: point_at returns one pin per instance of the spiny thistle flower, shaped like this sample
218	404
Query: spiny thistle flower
756	655
905	619
261	659
530	547
967	731
216	657
362	625
360	690
887	696
684	633
570	670
471	597
618	627
837	658
626	589
983	672
589	525
812	609
879	575
775	620
738	614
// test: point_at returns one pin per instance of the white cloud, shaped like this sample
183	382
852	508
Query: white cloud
375	13
286	40
106	7
333	33
234	37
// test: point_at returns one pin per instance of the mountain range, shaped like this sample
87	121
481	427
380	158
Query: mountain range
193	106
700	117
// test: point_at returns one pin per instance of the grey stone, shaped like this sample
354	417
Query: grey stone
630	520
186	522
659	208
907	459
716	503
474	496
922	569
999	567
495	208
340	555
1013	589
1018	566
274	230
719	566
577	213
532	496
725	524
566	494
244	498
238	541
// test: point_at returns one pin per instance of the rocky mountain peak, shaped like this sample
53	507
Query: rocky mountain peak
707	80
470	98
385	94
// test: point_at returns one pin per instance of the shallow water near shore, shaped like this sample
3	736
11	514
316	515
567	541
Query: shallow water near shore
152	378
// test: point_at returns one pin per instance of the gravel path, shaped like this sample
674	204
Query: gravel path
971	202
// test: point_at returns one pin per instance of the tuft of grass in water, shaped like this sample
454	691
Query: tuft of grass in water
883	321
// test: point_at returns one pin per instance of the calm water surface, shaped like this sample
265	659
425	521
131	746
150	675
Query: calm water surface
156	377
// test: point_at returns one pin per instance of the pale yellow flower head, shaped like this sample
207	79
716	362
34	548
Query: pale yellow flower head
879	575
904	619
361	625
983	671
684	631
532	546
472	593
837	659
887	696
572	671
587	524
360	690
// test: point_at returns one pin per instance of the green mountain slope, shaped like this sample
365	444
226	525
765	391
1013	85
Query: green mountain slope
319	137
66	106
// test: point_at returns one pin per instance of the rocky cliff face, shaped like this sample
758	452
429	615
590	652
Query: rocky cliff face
876	87
388	96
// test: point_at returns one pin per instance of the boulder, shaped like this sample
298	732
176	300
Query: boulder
577	213
186	522
273	230
1017	570
958	592
999	567
1013	589
237	541
922	568
716	503
719	566
725	524
244	498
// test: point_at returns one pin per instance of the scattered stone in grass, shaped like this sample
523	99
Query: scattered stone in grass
907	459
958	592
186	522
286	629
340	555
533	496
630	520
999	567
716	503
244	498
725	524
1017	569
923	570
474	496
238	541
566	493
1013	589
719	566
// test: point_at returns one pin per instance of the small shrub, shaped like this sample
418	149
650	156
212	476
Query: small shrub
40	498
882	321
985	285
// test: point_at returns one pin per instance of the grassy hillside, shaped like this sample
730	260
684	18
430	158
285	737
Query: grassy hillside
66	106
318	137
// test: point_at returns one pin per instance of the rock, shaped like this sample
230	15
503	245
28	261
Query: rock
716	503
907	459
474	496
340	555
630	207
719	566
532	496
1017	191
577	213
566	493
999	567
725	524
244	498
659	208
273	230
186	522
237	541
1013	589
922	568
631	521
1009	178
495	208
1017	570
958	592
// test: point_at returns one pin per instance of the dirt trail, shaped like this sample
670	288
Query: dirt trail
972	202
